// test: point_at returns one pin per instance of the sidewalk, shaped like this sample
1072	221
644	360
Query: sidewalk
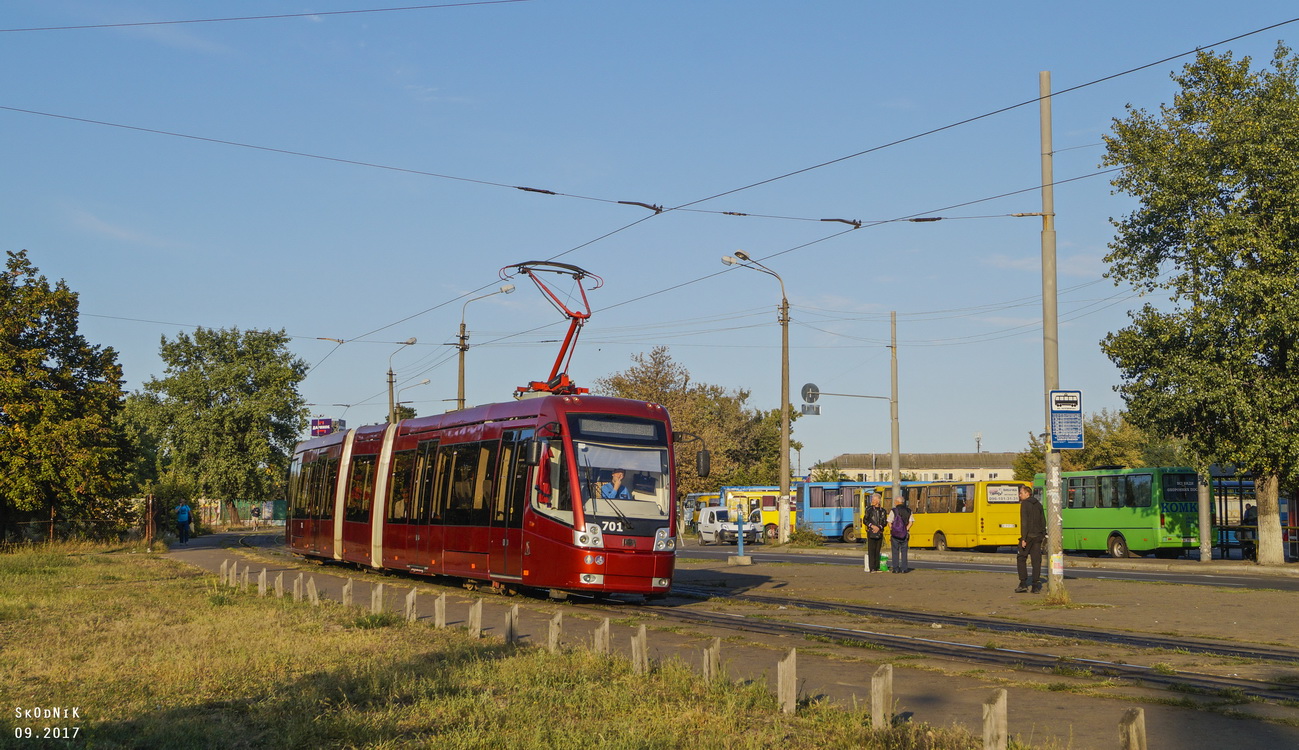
932	693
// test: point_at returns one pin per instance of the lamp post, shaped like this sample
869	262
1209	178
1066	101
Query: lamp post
463	346
425	381
742	259
392	405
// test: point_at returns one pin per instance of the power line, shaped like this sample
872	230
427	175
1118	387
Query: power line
261	18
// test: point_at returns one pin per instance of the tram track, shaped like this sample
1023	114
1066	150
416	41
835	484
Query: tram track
1235	688
1129	640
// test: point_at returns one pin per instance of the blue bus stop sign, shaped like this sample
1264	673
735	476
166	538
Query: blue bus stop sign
1066	420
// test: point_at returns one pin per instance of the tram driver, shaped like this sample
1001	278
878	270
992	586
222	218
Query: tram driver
615	488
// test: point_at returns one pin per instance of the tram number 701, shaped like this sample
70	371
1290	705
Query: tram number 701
612	527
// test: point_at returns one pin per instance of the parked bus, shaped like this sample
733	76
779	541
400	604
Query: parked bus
695	502
1127	512
964	515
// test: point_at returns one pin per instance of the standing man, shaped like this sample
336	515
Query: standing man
1032	530
182	521
876	519
899	521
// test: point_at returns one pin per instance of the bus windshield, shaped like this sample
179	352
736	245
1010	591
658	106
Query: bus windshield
624	488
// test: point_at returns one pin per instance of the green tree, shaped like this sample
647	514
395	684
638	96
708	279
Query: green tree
828	472
224	419
744	442
1109	439
62	454
1216	177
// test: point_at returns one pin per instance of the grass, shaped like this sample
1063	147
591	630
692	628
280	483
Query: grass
152	655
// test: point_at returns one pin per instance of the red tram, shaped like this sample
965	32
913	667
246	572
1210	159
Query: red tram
518	494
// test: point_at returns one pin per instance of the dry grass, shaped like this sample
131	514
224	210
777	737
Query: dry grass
154	655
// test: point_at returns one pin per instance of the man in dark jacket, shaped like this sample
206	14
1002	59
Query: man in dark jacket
1032	530
876	519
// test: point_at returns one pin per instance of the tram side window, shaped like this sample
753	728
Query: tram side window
295	487
551	489
1080	492
327	489
1137	491
360	489
425	484
508	508
470	477
402	485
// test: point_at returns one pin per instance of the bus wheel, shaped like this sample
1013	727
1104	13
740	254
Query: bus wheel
1118	546
940	541
773	532
850	534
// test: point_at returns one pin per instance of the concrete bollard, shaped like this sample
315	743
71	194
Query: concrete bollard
261	583
476	619
440	611
313	594
244	578
601	638
297	588
411	613
1132	729
787	682
225	572
996	733
279	586
882	698
640	651
556	632
347	593
512	626
376	599
713	661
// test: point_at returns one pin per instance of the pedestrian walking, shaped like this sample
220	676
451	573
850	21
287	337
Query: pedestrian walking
899	522
183	517
1032	531
876	520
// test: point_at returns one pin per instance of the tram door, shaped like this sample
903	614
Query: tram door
506	557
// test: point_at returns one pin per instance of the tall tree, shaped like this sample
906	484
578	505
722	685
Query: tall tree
1216	176
61	452
227	412
1109	439
744	441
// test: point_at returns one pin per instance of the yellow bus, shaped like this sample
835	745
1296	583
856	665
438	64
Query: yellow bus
765	501
965	515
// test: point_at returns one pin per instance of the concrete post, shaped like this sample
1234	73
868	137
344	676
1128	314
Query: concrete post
556	632
640	651
376	599
713	661
440	611
347	593
476	619
996	734
411	613
1132	730
787	682
882	698
313	594
601	644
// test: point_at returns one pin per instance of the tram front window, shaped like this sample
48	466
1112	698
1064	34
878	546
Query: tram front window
624	489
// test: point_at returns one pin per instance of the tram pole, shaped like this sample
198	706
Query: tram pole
1050	344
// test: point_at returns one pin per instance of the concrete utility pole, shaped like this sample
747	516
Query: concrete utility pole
896	461
1050	342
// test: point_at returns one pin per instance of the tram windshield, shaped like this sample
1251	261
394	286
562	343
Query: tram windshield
624	489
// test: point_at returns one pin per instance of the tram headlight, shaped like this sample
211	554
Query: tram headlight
663	542
588	537
662	583
591	578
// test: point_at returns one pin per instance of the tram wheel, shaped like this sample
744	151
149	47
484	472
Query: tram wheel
940	541
1118	546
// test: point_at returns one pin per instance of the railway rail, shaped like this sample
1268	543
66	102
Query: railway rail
1131	640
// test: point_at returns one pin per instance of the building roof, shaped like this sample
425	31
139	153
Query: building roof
983	460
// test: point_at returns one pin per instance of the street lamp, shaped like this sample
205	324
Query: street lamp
742	259
392	405
425	381
463	346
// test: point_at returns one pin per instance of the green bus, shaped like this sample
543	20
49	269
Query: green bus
1129	512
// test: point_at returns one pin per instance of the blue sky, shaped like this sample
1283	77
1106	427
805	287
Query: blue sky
353	176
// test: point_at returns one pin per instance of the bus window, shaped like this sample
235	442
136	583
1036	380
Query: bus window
1109	494
1081	492
1137	491
964	498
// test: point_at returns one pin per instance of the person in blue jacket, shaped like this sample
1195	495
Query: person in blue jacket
183	517
614	489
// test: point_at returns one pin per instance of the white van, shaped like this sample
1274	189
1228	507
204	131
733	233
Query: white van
716	527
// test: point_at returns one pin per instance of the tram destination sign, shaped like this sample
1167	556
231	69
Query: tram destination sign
1066	420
